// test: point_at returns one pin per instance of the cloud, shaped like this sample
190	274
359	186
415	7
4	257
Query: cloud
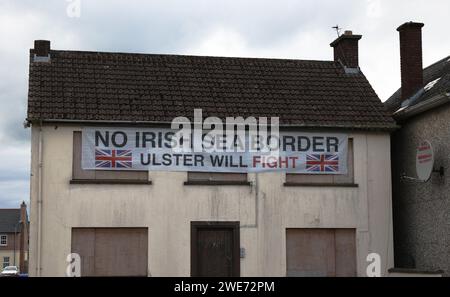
14	176
13	193
221	41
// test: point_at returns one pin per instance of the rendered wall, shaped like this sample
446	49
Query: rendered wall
166	207
421	210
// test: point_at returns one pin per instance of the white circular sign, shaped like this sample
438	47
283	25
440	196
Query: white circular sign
424	160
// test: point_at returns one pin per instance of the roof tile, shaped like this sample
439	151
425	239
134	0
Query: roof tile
89	86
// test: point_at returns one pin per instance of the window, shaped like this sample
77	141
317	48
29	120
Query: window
5	262
3	240
216	178
320	252
111	251
81	176
302	179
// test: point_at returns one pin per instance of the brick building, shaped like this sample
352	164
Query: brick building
14	238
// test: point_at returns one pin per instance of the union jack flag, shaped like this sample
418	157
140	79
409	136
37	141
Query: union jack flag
113	158
322	162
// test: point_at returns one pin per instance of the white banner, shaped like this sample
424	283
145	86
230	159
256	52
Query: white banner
155	149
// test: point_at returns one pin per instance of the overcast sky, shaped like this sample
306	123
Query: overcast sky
279	29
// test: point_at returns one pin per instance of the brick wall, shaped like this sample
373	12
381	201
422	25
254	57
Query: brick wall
411	58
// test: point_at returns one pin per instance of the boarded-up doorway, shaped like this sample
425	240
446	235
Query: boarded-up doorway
111	251
215	249
320	252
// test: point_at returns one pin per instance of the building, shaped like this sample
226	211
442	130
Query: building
421	107
14	238
167	223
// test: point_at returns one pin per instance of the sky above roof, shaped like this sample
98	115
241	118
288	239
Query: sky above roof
253	28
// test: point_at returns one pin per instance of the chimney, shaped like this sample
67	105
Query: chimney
23	232
346	49
411	58
41	51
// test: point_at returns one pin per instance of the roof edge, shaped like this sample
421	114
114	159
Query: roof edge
421	107
390	127
32	51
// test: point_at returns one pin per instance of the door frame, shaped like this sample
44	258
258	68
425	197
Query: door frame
233	225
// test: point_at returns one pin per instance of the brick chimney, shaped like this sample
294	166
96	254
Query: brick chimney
411	58
41	51
346	49
23	240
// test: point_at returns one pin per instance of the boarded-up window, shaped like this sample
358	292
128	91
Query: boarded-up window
321	252
81	175
217	178
111	251
303	178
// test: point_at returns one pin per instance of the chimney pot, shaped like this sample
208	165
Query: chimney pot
346	49
411	67
42	48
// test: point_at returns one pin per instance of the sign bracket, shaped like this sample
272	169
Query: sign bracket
439	170
403	176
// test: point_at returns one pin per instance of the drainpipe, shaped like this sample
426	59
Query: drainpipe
15	237
39	201
255	184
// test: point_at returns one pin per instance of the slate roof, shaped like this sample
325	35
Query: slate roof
100	86
8	220
439	70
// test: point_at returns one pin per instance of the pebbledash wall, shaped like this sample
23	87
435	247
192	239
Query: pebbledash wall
264	209
421	209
